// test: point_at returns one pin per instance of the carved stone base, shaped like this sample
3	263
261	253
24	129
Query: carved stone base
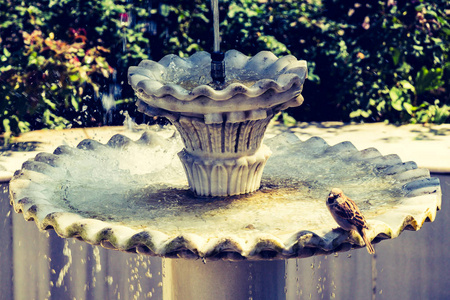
224	176
242	137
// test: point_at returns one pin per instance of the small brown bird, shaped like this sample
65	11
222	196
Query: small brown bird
347	215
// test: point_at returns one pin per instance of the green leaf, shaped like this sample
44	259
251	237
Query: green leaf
397	98
74	77
6	125
407	86
419	7
431	13
359	113
428	80
408	107
395	55
395	93
6	52
288	120
74	102
164	10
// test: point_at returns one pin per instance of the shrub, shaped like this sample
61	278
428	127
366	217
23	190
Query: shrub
368	60
55	77
59	59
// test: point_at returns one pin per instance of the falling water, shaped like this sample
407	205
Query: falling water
109	99
65	269
250	281
374	276
215	10
124	23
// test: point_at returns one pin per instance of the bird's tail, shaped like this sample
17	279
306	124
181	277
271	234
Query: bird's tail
369	246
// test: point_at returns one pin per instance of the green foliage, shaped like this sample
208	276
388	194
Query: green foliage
55	75
367	60
58	56
287	119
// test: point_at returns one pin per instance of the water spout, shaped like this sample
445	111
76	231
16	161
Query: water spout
218	68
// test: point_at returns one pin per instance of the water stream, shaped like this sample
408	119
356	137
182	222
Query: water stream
215	10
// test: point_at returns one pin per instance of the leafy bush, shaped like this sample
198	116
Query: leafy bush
368	60
56	75
59	59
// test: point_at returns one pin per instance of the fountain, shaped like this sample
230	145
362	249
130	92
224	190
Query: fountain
215	202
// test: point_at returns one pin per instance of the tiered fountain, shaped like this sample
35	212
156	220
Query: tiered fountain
134	196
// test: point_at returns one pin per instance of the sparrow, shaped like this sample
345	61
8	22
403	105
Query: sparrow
348	216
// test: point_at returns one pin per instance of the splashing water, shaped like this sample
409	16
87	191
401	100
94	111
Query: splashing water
109	99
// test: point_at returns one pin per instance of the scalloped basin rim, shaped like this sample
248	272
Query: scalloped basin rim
265	71
148	88
420	198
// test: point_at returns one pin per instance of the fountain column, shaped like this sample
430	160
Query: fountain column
223	154
192	279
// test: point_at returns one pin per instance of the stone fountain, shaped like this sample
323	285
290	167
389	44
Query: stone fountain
133	196
229	196
215	202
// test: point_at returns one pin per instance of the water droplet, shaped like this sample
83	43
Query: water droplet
96	254
65	269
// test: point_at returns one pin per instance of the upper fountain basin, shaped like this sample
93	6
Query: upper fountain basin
182	85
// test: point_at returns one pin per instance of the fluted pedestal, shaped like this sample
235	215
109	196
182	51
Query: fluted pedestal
223	158
222	176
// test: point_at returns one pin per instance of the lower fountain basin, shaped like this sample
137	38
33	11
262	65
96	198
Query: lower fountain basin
133	196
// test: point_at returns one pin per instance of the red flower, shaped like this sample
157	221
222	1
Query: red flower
124	19
79	33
